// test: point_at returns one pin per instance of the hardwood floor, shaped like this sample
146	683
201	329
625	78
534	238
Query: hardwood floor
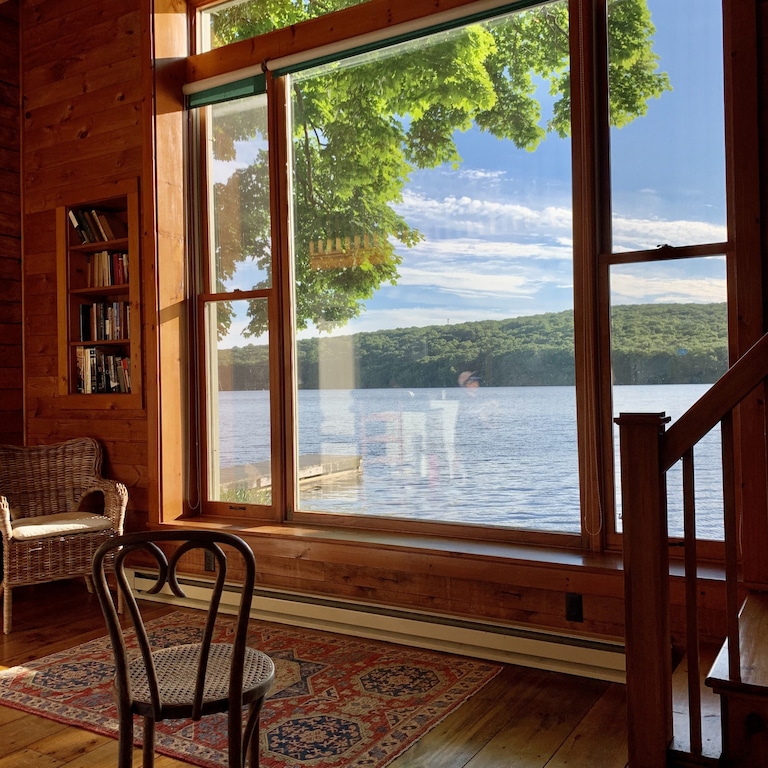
524	718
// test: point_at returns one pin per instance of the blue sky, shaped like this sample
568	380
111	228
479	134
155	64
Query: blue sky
498	230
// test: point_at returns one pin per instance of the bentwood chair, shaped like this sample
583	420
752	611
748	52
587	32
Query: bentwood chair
56	509
190	680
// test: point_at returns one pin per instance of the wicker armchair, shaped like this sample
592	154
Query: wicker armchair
55	511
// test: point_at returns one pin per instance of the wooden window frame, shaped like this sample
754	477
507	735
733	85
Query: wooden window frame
591	233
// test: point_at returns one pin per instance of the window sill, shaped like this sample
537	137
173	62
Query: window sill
490	550
523	554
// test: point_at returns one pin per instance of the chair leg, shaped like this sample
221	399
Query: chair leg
235	742
250	744
5	590
89	584
125	741
149	743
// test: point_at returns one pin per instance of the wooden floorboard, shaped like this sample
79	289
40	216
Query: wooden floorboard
524	718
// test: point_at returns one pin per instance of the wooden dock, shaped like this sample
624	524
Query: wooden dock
311	467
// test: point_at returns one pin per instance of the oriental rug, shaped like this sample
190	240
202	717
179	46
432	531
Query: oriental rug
337	701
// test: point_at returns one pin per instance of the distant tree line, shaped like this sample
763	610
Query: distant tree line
651	344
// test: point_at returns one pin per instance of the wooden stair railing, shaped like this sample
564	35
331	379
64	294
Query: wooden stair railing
648	450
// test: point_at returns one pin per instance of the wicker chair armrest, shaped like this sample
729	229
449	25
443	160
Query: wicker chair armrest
115	500
5	518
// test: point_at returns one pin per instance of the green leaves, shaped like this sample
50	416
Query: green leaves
362	126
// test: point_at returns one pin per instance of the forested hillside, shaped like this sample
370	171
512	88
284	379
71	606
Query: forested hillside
652	344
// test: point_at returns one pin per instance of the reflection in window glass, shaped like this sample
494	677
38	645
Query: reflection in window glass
668	346
238	408
242	19
433	279
668	169
240	249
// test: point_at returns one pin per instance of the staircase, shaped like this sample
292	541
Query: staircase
742	684
739	675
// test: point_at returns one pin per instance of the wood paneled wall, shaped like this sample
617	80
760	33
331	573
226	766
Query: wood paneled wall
84	108
11	378
762	81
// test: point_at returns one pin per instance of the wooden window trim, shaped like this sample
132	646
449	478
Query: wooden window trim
740	110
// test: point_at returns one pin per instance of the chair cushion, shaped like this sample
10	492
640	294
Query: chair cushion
59	524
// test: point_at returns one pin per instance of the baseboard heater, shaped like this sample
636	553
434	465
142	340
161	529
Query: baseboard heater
552	651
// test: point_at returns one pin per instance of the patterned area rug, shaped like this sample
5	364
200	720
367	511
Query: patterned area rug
337	702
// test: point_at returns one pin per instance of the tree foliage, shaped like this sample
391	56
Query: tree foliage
360	131
651	344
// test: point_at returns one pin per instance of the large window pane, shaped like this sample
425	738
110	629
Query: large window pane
236	279
238	409
668	169
433	269
240	248
669	345
668	320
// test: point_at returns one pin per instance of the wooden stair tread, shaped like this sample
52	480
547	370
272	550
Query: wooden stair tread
753	650
711	736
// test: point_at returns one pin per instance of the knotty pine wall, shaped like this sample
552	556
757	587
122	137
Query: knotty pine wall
86	85
84	109
11	383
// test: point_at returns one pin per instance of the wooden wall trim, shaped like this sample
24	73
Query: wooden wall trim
166	292
369	17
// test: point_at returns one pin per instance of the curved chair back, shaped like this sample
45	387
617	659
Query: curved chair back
153	692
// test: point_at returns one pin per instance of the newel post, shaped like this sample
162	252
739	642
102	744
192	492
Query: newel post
646	590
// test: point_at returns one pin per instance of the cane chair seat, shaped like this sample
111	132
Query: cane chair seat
176	670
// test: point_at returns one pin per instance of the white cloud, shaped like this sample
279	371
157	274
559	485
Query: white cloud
476	252
469	283
479	174
642	234
477	217
631	288
451	215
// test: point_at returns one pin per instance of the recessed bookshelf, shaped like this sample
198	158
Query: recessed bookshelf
99	326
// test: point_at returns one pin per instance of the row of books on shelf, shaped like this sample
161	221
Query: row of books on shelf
94	225
101	372
107	268
105	321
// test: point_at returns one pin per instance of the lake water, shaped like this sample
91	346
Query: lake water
493	456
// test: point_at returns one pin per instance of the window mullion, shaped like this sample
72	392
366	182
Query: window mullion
591	217
283	374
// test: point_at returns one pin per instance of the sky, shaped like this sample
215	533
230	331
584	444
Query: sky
498	231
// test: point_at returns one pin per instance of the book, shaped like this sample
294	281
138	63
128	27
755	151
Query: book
127	373
92	373
114	227
77	226
86	227
93	226
97	220
85	322
80	357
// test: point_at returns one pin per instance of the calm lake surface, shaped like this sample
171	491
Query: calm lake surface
493	456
